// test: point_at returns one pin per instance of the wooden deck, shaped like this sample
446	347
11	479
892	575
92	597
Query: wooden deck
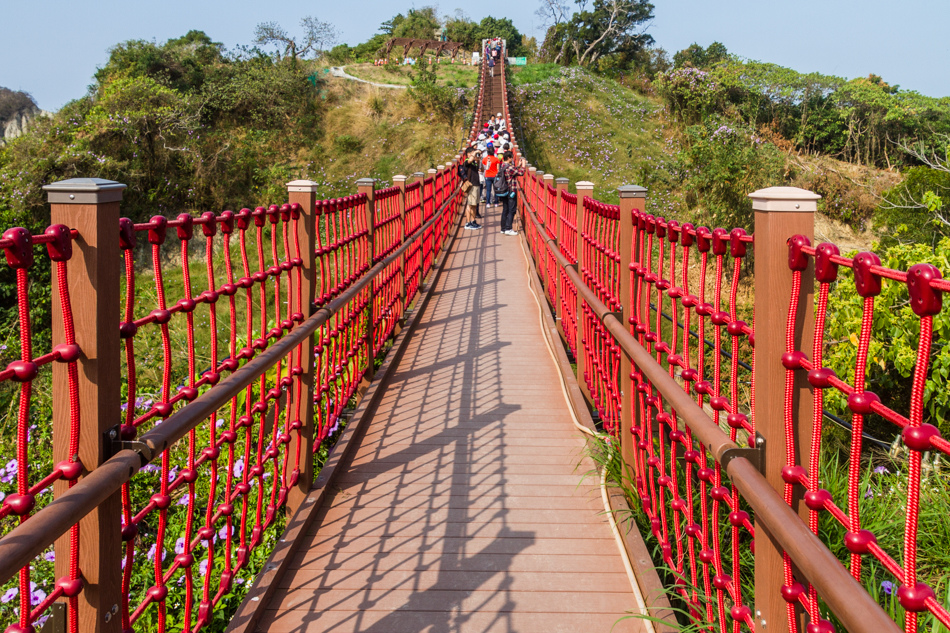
461	509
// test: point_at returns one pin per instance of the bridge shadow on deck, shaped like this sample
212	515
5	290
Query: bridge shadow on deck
460	510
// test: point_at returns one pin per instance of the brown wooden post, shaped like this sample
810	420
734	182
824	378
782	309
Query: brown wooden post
547	180
400	181
439	182
304	193
561	186
529	197
632	198
780	212
585	189
91	207
416	177
368	187
433	174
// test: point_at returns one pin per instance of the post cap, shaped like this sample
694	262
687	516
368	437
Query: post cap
418	174
632	191
84	191
366	182
785	199
584	184
302	185
533	169
433	170
440	167
549	176
562	180
400	178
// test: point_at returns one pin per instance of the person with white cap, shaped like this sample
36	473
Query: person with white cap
501	122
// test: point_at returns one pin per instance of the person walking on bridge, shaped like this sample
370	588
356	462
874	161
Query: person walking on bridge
490	164
506	186
468	172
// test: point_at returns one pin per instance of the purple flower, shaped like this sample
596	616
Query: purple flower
203	567
151	552
172	474
881	470
239	468
37	596
218	423
180	545
49	556
183	500
869	493
888	587
11	466
223	532
9	595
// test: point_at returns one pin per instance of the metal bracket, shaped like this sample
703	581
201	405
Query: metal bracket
113	443
755	455
56	623
616	315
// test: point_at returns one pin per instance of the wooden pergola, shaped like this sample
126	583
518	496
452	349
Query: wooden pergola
423	45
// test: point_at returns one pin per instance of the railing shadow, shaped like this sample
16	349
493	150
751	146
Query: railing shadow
437	481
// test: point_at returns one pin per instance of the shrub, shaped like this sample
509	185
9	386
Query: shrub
691	94
722	165
893	350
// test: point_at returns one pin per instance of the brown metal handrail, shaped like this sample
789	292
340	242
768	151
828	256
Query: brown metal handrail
29	539
846	598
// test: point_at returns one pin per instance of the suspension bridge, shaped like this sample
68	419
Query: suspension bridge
351	415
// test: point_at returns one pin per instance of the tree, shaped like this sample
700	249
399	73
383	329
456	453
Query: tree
390	25
505	29
698	57
419	24
317	37
553	15
609	27
462	30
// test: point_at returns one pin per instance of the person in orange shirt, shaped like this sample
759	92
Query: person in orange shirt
490	165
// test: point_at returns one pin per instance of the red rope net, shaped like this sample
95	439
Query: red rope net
195	518
30	473
922	287
682	489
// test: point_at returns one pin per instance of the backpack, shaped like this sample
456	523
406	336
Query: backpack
502	186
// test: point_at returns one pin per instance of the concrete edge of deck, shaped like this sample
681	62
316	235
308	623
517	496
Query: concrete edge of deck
251	609
654	594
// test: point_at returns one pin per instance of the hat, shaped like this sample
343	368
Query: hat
481	137
498	115
486	124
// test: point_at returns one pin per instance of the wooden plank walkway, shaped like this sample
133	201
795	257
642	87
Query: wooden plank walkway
461	509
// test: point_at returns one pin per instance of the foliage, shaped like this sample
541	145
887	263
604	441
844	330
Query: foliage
893	350
182	124
316	36
910	211
722	165
607	27
422	24
443	101
690	93
698	57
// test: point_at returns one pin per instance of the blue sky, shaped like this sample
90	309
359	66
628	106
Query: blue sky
51	48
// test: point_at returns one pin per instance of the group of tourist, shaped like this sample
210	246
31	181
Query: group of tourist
488	168
493	54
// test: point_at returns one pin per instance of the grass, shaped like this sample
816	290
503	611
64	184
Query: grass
385	134
452	75
585	127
